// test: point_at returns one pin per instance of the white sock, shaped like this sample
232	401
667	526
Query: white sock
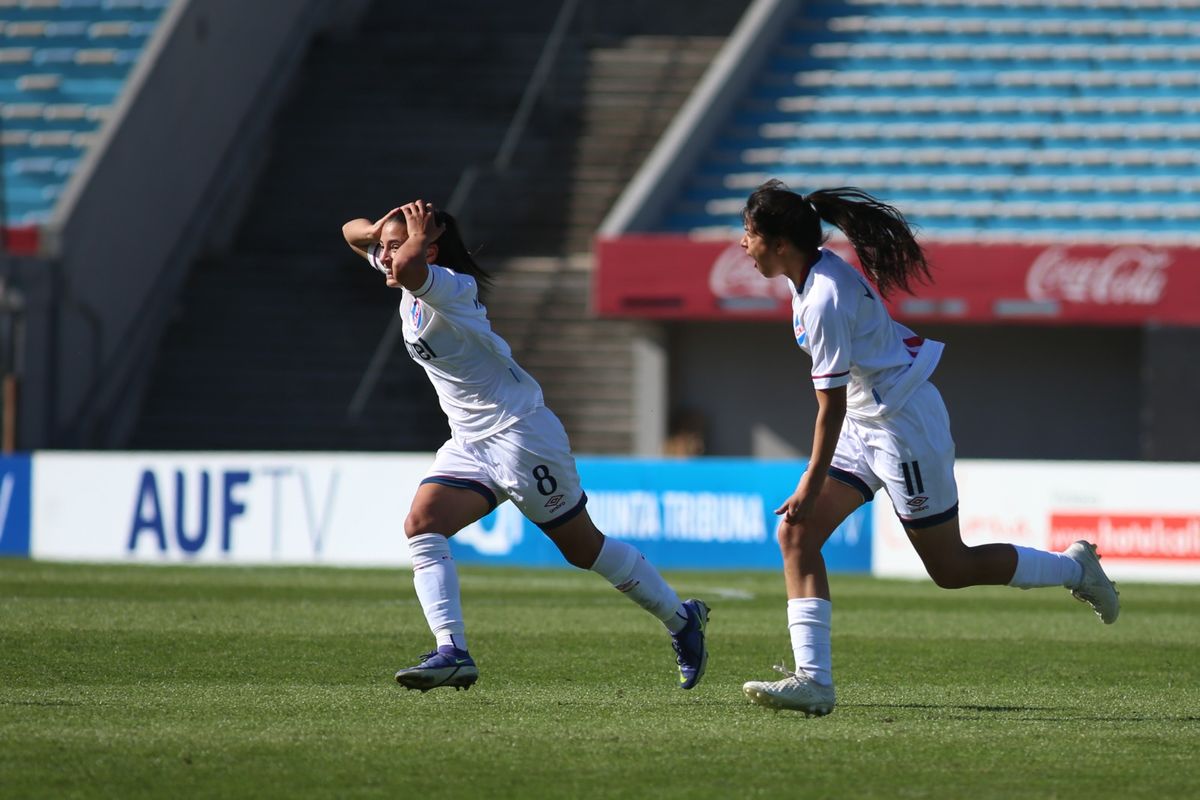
436	582
809	620
1038	568
630	573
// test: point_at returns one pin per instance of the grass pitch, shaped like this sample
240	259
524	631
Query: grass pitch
134	681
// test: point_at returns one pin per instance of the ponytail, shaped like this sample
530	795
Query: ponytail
453	253
883	239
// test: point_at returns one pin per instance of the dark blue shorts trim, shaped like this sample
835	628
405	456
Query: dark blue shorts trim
929	522
464	483
853	481
566	517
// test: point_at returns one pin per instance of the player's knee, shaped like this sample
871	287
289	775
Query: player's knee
797	539
418	522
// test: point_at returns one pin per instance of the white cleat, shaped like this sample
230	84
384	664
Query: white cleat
1094	588
796	692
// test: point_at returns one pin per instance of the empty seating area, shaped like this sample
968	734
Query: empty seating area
62	66
980	119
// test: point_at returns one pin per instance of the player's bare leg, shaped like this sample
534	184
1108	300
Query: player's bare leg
809	688
954	565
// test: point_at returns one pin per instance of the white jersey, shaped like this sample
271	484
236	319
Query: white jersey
446	330
840	320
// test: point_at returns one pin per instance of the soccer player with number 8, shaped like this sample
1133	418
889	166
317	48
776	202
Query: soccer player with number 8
505	445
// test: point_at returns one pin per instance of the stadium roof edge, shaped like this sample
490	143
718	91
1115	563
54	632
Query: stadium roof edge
642	202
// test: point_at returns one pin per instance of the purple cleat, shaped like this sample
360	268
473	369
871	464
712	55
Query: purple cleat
446	666
691	653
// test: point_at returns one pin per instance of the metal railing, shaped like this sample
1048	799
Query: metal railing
459	198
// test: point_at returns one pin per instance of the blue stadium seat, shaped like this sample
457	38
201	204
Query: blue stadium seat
982	118
63	64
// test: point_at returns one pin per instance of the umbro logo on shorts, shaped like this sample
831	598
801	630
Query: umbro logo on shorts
554	502
917	503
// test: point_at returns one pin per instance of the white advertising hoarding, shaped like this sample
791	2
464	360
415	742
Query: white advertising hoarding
1145	518
245	508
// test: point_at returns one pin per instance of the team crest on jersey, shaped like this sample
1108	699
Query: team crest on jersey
798	329
417	314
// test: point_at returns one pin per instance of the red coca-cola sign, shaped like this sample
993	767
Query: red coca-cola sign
1123	275
674	277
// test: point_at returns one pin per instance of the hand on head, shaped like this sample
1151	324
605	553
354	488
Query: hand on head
419	217
376	231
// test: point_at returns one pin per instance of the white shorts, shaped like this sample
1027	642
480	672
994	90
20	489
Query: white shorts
529	462
910	452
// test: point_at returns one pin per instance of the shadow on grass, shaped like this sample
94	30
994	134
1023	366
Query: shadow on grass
931	706
1062	717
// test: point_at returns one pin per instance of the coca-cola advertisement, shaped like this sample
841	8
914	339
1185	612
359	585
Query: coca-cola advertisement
675	277
1123	275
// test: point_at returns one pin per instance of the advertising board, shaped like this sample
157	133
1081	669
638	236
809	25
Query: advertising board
979	283
271	508
14	505
1144	518
349	509
709	513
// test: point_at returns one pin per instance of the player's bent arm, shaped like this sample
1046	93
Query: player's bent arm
361	233
356	232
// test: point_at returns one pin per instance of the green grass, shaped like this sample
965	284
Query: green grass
127	681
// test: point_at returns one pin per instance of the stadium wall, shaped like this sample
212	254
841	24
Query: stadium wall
710	513
1053	352
172	164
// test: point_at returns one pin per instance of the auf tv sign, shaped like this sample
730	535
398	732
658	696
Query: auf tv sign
150	521
201	510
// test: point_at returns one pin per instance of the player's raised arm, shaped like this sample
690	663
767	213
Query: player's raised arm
409	248
360	233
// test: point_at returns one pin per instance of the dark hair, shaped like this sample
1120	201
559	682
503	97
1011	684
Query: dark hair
880	235
452	253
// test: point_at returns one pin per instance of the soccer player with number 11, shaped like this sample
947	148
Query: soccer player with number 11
880	424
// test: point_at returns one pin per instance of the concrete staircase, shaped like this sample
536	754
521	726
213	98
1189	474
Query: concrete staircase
568	172
271	339
541	307
252	363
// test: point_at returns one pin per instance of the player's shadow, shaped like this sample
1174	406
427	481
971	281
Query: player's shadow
1062	716
932	706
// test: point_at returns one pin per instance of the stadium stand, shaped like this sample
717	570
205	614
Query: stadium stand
63	64
982	120
364	128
